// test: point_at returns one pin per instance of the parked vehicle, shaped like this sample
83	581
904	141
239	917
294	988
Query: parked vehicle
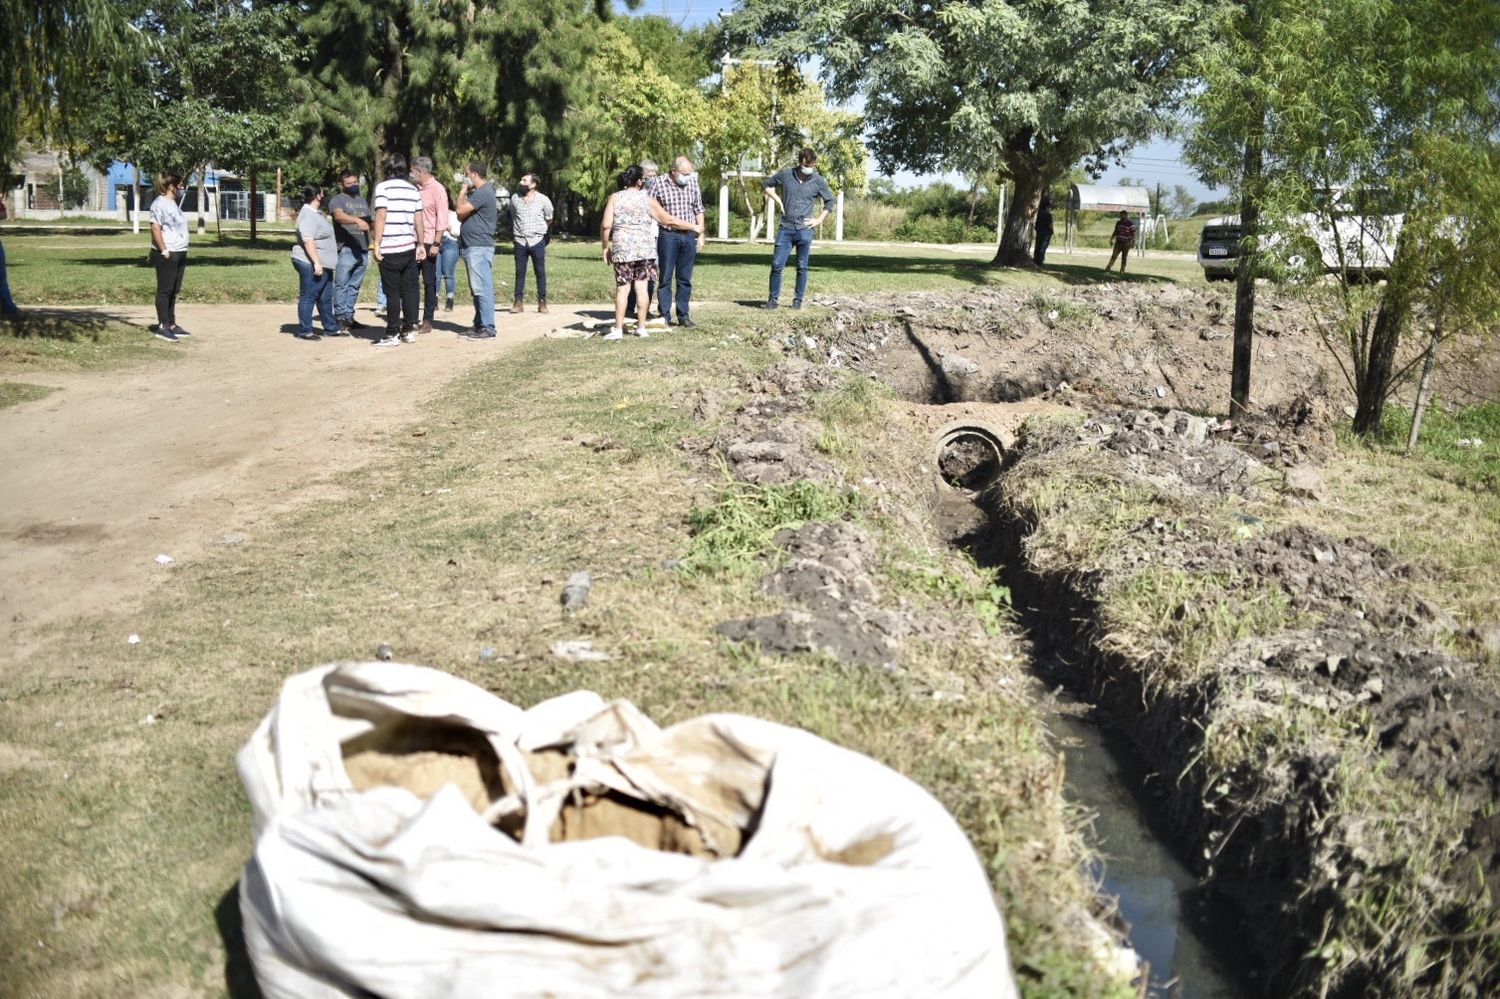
1352	232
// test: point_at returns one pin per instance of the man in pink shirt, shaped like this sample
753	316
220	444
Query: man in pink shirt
434	224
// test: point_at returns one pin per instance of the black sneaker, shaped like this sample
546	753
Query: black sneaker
180	331
768	305
165	333
448	306
341	330
309	335
687	323
355	324
797	304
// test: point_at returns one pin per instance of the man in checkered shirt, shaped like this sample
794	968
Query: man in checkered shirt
677	250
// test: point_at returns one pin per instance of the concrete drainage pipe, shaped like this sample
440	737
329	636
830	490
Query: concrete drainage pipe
970	454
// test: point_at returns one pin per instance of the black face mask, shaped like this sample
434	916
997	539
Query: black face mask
352	190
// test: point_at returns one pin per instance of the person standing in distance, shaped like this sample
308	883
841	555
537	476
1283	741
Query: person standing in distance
399	248
351	213
169	244
649	170
531	218
478	215
434	224
799	188
1123	239
1043	230
677	249
315	257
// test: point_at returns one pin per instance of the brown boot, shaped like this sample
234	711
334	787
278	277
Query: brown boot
517	307
541	306
425	328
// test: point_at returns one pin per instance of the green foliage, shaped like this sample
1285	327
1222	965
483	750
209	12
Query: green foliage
1026	87
1465	441
75	187
1393	100
742	523
682	55
943	229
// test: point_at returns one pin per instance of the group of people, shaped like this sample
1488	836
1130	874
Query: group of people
1121	239
416	231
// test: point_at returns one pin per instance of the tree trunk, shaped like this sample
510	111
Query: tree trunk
1424	385
254	207
1372	384
1015	241
1244	278
202	195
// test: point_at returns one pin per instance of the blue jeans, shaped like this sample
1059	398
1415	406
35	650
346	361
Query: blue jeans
1043	240
346	281
314	288
537	254
7	304
480	263
676	252
786	238
448	265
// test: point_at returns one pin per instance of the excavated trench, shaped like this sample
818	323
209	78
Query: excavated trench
1185	937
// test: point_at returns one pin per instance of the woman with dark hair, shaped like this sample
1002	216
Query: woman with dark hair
169	243
315	257
629	244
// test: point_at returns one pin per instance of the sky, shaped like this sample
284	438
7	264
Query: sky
1157	161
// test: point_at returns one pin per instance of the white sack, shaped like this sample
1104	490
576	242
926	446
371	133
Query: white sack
378	892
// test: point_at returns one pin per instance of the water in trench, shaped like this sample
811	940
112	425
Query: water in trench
1178	932
1171	926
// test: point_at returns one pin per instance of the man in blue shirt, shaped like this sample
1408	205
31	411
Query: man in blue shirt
799	188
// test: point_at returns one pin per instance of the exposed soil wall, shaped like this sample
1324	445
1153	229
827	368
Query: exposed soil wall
1335	776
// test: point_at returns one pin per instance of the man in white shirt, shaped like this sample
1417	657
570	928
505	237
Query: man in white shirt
531	219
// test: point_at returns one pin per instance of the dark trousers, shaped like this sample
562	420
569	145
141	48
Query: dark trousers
537	254
676	252
429	270
168	284
398	276
1043	240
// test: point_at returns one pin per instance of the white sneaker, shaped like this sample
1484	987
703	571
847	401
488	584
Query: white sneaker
410	336
615	334
390	341
642	332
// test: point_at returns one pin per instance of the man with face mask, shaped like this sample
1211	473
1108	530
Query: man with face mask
531	218
799	188
677	249
351	215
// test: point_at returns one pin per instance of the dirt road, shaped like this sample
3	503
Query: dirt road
119	467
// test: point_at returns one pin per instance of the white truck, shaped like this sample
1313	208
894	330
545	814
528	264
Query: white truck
1352	235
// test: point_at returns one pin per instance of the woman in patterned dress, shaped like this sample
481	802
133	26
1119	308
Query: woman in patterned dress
630	247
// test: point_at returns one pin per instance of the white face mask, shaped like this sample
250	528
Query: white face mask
805	171
683	179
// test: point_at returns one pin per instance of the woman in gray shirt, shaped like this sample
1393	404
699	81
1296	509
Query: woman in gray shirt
315	257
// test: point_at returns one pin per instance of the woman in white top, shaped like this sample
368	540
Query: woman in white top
448	257
169	243
315	258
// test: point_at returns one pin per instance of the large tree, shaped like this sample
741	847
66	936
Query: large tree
1346	116
1028	87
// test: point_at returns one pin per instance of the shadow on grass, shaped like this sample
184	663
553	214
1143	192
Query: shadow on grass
239	974
195	259
68	325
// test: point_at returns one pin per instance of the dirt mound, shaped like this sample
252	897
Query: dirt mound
1176	451
1123	344
835	606
771	440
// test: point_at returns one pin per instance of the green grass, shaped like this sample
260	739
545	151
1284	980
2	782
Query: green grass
122	841
744	518
48	268
15	393
55	340
1463	443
